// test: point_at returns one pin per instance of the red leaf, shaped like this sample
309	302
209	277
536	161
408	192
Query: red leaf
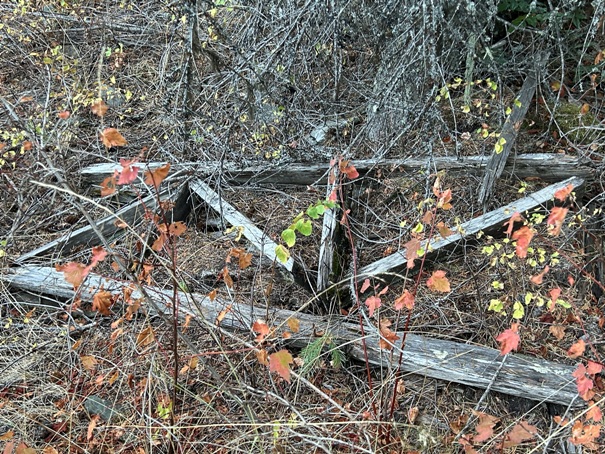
64	115
438	282
594	412
583	383
129	172
594	368
509	339
555	220
577	349
155	177
406	300
516	217
373	303
280	362
112	138
348	169
98	255
562	194
365	285
261	328
523	237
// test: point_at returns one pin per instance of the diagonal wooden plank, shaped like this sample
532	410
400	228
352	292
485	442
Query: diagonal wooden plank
472	365
130	214
397	262
265	245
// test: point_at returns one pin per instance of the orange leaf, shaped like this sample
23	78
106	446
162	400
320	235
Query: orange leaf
557	330
99	108
158	244
509	339
91	427
145	337
438	282
594	412
102	301
387	336
406	300
155	177
485	427
294	324
577	349
74	273
112	138
212	295
64	115
226	277
562	194
584	109
129	172
348	169
520	433
177	228
585	435
411	251
22	448
222	314
280	362
538	278
263	357
108	186
373	303
443	229
555	220
523	237
261	328
98	254
89	362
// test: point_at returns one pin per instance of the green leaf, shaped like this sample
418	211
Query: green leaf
321	209
518	310
563	303
312	212
282	253
289	236
306	228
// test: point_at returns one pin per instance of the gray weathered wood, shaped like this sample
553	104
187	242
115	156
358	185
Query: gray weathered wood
395	263
326	248
85	236
497	161
549	167
265	245
523	376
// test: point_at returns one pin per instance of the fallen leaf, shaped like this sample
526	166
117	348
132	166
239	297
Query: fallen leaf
145	337
91	427
557	330
294	324
99	108
365	285
73	272
89	362
108	186
112	138
538	278
577	349
520	433
485	427
280	362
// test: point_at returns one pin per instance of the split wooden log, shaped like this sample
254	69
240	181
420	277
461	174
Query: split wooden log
389	267
549	167
507	137
519	375
265	245
111	226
